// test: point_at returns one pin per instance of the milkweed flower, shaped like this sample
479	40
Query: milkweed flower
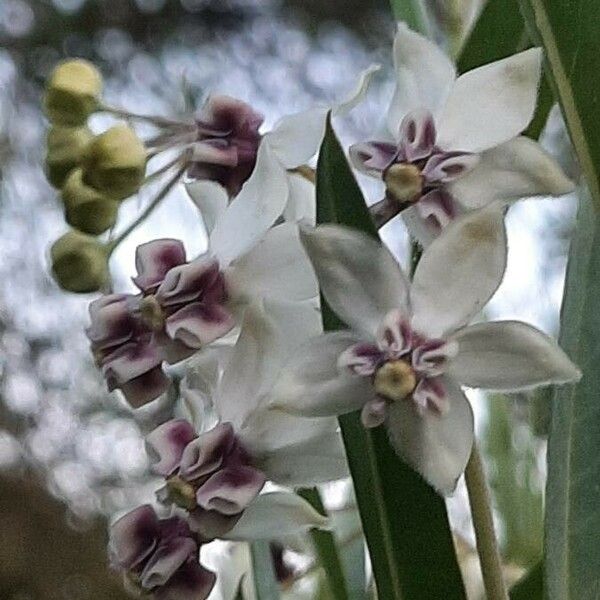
452	143
184	306
409	348
217	473
159	557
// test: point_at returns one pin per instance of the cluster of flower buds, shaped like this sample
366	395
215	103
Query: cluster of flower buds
94	173
260	405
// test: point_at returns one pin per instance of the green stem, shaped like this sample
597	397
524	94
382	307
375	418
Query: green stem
155	120
112	245
265	582
487	546
326	548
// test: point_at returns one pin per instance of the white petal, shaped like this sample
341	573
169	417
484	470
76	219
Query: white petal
314	460
513	170
436	445
509	356
277	267
492	104
211	199
311	384
302	201
359	277
358	94
459	272
424	76
296	138
275	515
253	211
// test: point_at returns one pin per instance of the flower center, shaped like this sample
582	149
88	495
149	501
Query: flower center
152	313
395	380
181	493
404	182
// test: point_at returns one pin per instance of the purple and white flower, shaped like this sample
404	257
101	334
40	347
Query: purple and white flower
185	306
409	348
452	143
159	557
217	473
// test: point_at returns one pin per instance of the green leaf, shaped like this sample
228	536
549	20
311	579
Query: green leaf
265	582
405	520
413	13
530	586
500	32
327	552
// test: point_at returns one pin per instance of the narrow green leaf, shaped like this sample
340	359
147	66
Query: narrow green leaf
265	582
530	586
326	548
405	521
499	32
413	13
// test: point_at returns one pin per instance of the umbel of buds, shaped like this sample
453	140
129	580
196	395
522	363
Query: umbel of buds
87	209
79	262
114	162
73	92
65	147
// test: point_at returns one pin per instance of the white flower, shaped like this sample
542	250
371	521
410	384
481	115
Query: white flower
409	349
217	472
455	143
270	190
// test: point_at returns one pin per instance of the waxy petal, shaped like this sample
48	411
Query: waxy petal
431	358
211	198
277	267
394	335
145	388
491	104
424	76
373	157
130	361
197	324
437	445
361	359
133	537
165	561
153	260
302	201
313	385
446	167
166	443
215	152
230	490
509	356
253	211
359	277
516	169
190	582
211	524
436	209
459	272
276	515
417	135
112	320
374	413
207	452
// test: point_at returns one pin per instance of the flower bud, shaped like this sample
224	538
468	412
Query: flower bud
86	208
65	146
115	162
403	182
73	92
79	263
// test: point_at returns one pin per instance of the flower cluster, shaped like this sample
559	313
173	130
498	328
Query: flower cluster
262	383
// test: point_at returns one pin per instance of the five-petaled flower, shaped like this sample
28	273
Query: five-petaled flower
409	348
184	306
159	557
217	474
455	143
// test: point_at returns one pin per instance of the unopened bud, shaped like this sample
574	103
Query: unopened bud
79	263
65	146
86	208
395	380
404	182
115	162
73	92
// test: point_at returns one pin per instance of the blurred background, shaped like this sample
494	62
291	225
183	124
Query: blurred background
71	455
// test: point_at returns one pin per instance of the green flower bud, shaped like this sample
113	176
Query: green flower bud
65	146
72	92
86	208
79	263
115	162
